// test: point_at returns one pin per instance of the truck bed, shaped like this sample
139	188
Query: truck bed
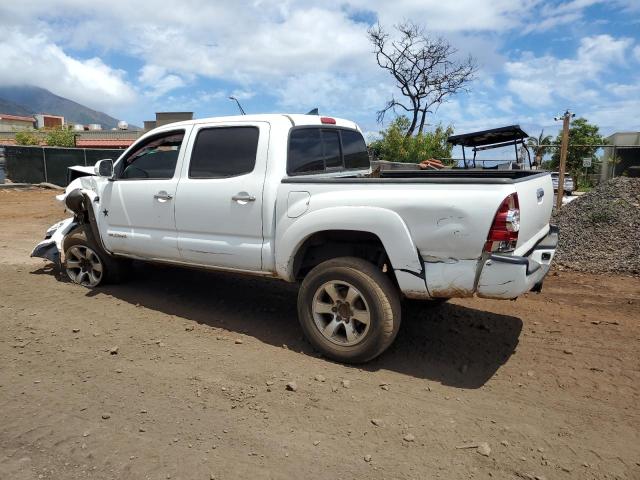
428	176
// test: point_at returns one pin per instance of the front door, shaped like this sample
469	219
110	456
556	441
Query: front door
219	197
138	207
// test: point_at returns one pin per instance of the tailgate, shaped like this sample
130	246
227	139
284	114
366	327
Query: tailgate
535	196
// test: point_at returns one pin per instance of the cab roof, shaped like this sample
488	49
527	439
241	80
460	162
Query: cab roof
295	119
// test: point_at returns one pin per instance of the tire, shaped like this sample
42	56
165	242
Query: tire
356	306
86	262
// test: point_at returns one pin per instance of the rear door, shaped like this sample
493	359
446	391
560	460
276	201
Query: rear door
219	197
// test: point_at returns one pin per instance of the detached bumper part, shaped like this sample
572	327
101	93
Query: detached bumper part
505	276
50	247
48	250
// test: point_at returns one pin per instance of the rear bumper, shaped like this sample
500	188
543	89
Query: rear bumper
506	276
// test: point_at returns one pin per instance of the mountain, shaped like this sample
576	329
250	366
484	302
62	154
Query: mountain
13	108
27	100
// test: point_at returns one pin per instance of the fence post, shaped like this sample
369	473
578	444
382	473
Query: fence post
44	163
84	151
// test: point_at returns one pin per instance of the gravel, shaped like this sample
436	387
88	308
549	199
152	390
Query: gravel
600	231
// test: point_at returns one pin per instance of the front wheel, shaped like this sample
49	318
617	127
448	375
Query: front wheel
87	264
349	309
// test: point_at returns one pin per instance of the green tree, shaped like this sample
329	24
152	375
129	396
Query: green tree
60	137
581	132
27	137
395	146
539	145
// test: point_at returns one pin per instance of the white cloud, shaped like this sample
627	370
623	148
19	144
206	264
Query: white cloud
294	53
157	82
35	60
506	104
542	81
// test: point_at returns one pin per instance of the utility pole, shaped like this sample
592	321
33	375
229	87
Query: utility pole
566	119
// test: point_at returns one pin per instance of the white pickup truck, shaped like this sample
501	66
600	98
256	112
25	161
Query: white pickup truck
293	197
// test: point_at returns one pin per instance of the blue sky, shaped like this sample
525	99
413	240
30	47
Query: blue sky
130	59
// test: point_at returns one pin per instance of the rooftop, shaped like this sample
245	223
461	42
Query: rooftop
6	116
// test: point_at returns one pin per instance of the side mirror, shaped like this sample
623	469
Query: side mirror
104	168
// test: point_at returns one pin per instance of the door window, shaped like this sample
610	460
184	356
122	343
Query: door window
223	152
154	159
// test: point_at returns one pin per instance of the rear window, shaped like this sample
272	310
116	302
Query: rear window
354	149
305	151
224	152
316	150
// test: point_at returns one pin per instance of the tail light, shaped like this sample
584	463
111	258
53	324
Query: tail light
328	120
503	234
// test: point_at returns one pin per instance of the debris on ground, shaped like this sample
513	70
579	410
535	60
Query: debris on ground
292	386
600	231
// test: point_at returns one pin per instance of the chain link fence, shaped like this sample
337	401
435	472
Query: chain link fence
48	164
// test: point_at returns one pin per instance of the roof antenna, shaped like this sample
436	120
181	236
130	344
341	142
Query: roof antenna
313	112
239	106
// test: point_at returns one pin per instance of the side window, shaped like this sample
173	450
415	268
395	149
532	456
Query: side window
354	149
224	152
305	151
155	159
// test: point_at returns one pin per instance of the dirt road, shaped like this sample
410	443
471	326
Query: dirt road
182	374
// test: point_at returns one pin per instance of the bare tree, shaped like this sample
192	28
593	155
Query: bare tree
426	71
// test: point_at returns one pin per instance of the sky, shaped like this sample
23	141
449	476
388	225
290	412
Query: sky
536	58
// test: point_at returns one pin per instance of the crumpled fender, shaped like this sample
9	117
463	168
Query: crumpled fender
86	184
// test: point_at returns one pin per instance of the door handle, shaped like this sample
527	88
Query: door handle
162	195
243	197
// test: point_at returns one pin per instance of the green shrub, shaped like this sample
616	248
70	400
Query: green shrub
27	138
395	146
60	137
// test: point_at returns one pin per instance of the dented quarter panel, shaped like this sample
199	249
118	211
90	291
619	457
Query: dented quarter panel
384	223
439	222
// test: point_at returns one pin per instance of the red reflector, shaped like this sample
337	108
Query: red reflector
329	120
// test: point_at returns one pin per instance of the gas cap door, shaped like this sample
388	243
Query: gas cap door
297	203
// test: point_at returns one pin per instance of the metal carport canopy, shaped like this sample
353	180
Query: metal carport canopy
507	134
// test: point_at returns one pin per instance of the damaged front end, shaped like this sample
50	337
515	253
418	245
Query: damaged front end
74	200
51	246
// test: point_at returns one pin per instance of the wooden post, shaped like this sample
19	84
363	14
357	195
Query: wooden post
566	118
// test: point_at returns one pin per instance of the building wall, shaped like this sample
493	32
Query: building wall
49	121
164	118
626	154
7	125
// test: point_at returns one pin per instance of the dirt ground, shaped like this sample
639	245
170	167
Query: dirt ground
181	374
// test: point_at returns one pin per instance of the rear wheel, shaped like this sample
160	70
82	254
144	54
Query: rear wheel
349	310
86	262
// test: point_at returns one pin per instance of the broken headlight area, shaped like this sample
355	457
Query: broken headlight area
52	229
